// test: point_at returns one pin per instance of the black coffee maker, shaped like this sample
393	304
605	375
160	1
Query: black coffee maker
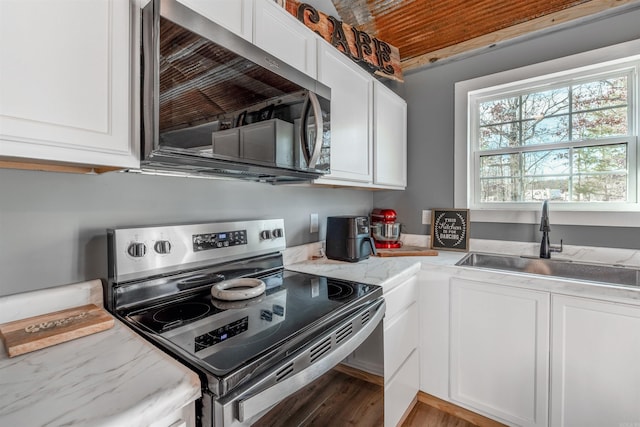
348	238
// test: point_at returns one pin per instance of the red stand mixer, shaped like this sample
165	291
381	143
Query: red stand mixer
384	229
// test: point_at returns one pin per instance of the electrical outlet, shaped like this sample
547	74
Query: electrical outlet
426	217
313	223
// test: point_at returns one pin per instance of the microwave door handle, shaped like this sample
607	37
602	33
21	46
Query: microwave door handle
311	157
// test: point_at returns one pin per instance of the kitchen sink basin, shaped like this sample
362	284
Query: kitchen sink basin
610	274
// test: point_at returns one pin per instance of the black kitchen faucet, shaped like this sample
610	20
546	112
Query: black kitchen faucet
545	247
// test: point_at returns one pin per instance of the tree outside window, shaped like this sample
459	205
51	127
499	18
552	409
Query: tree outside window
568	142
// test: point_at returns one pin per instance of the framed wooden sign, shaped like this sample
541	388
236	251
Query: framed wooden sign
450	229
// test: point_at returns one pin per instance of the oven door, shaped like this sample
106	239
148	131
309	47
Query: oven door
246	404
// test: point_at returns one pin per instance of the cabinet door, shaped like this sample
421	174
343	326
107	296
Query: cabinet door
65	89
390	138
595	363
434	332
500	351
278	32
234	15
351	115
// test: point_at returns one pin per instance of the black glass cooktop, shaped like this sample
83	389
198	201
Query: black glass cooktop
224	333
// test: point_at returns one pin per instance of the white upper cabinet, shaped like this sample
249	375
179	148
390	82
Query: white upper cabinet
234	15
368	125
351	116
65	85
390	138
278	32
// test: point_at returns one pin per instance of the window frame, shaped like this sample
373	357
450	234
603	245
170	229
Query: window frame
545	75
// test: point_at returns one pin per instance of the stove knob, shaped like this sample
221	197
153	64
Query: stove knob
162	247
278	232
265	234
137	250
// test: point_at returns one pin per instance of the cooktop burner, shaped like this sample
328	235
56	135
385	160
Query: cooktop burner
339	291
181	312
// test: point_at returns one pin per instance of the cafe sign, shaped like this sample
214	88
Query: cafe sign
379	56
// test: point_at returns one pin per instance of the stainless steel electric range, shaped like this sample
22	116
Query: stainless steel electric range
267	333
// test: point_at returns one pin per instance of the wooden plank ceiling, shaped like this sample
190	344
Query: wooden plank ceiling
426	31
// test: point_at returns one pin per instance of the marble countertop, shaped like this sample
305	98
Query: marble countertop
111	378
385	272
389	271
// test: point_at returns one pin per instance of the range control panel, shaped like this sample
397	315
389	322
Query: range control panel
204	242
221	334
140	252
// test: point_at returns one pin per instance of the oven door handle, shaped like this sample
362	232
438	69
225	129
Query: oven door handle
262	394
262	400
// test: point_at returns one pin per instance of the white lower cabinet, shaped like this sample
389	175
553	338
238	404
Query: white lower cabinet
526	357
400	390
499	351
185	417
401	362
595	363
434	332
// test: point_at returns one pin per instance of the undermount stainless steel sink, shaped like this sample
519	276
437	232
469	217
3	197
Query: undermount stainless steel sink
610	274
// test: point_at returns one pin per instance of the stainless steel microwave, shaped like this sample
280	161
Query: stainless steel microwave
215	104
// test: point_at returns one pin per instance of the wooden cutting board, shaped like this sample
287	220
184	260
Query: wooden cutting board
407	251
34	333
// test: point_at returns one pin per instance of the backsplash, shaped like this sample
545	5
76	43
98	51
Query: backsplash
53	226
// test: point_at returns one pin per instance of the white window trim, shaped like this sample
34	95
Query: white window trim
623	216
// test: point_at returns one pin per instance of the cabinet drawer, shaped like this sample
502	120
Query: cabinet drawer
400	339
401	297
401	390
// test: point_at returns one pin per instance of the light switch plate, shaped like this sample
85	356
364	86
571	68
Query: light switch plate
426	217
313	223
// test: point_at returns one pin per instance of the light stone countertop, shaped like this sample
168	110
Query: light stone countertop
389	271
110	378
385	272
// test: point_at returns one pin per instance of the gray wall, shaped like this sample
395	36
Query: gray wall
430	97
53	225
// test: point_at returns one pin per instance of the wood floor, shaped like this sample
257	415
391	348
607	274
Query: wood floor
337	399
424	415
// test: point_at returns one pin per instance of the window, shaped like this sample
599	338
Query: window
566	131
566	141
